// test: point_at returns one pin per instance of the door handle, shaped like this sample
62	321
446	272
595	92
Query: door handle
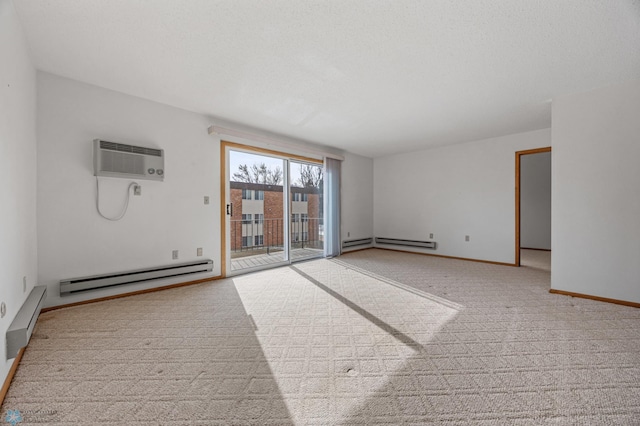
230	209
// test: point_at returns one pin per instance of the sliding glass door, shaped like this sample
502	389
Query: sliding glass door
272	209
305	193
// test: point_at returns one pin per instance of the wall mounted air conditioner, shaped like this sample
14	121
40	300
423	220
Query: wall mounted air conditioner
127	161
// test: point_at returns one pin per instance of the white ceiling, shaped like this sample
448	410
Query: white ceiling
371	77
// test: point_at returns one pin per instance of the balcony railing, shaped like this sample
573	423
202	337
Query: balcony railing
256	236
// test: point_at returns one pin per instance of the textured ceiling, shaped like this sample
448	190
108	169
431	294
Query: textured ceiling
371	77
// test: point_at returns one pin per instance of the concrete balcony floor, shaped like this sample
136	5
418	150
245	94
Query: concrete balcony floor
263	259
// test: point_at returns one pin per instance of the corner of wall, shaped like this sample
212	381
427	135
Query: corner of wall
357	197
18	245
595	201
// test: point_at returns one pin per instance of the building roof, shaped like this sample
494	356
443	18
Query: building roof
272	188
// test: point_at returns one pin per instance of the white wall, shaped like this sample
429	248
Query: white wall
596	193
535	201
73	240
357	197
18	257
454	191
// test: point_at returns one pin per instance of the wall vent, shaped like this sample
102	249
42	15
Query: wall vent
19	332
407	243
76	285
113	159
358	242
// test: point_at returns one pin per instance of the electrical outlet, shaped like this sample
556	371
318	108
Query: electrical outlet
174	254
431	236
137	190
24	284
466	238
206	199
199	251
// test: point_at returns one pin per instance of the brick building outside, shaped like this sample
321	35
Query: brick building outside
257	220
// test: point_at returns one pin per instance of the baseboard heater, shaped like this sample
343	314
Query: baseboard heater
409	243
76	285
19	332
358	242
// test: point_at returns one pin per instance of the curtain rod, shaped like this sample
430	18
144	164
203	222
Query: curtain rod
219	130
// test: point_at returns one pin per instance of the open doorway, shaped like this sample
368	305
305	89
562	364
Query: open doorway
533	205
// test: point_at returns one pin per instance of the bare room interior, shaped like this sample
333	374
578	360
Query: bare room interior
267	213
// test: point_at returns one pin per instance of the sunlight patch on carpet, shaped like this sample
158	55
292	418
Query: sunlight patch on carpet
333	336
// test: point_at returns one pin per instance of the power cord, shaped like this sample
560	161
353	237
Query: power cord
126	203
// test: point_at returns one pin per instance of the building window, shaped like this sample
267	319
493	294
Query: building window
305	236
246	194
297	196
304	217
246	241
259	240
259	218
258	195
295	237
295	217
246	219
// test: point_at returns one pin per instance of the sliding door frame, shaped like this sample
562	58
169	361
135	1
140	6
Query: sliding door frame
223	186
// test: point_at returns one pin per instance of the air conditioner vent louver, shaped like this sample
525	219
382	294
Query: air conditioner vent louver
127	161
116	162
130	148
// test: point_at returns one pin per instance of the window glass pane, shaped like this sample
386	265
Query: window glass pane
261	205
307	196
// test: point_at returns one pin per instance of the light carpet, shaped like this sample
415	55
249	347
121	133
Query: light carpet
373	337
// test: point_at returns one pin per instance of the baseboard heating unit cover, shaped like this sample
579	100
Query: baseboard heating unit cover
19	332
406	243
75	285
358	242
